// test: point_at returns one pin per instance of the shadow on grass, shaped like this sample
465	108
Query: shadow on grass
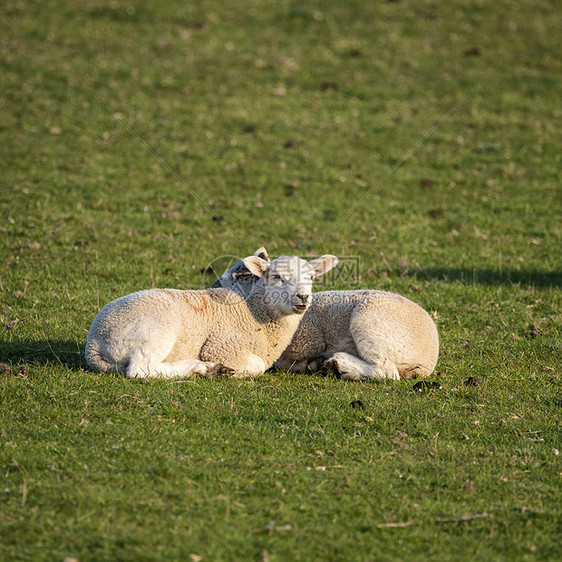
63	353
537	279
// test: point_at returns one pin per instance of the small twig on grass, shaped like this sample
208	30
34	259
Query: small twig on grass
323	468
396	525
467	517
53	352
271	527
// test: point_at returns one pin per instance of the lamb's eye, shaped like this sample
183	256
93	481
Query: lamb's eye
277	277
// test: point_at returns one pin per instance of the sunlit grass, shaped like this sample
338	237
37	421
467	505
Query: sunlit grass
420	140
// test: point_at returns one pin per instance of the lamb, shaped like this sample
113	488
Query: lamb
173	333
355	335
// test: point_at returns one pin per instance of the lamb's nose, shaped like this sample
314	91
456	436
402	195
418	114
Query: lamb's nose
303	298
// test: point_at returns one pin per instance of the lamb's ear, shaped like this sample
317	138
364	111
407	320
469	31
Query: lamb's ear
256	265
262	253
323	264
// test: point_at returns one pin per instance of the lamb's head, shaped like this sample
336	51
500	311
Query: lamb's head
239	278
285	284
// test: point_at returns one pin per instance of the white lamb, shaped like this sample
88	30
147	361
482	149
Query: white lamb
355	335
171	333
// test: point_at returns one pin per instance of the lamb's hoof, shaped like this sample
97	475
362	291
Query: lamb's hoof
219	371
332	369
314	364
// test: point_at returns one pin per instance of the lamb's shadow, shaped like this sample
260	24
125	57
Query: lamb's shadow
68	354
531	278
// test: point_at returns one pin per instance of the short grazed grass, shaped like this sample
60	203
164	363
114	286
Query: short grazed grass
141	142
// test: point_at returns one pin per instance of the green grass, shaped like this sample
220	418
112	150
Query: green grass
128	128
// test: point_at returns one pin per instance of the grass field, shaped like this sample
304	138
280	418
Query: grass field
141	142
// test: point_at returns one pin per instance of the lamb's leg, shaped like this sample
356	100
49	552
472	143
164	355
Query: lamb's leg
176	369
349	367
189	367
229	351
254	365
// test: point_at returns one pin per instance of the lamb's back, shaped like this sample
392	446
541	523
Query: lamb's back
398	329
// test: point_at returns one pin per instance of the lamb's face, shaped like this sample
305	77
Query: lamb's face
288	285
